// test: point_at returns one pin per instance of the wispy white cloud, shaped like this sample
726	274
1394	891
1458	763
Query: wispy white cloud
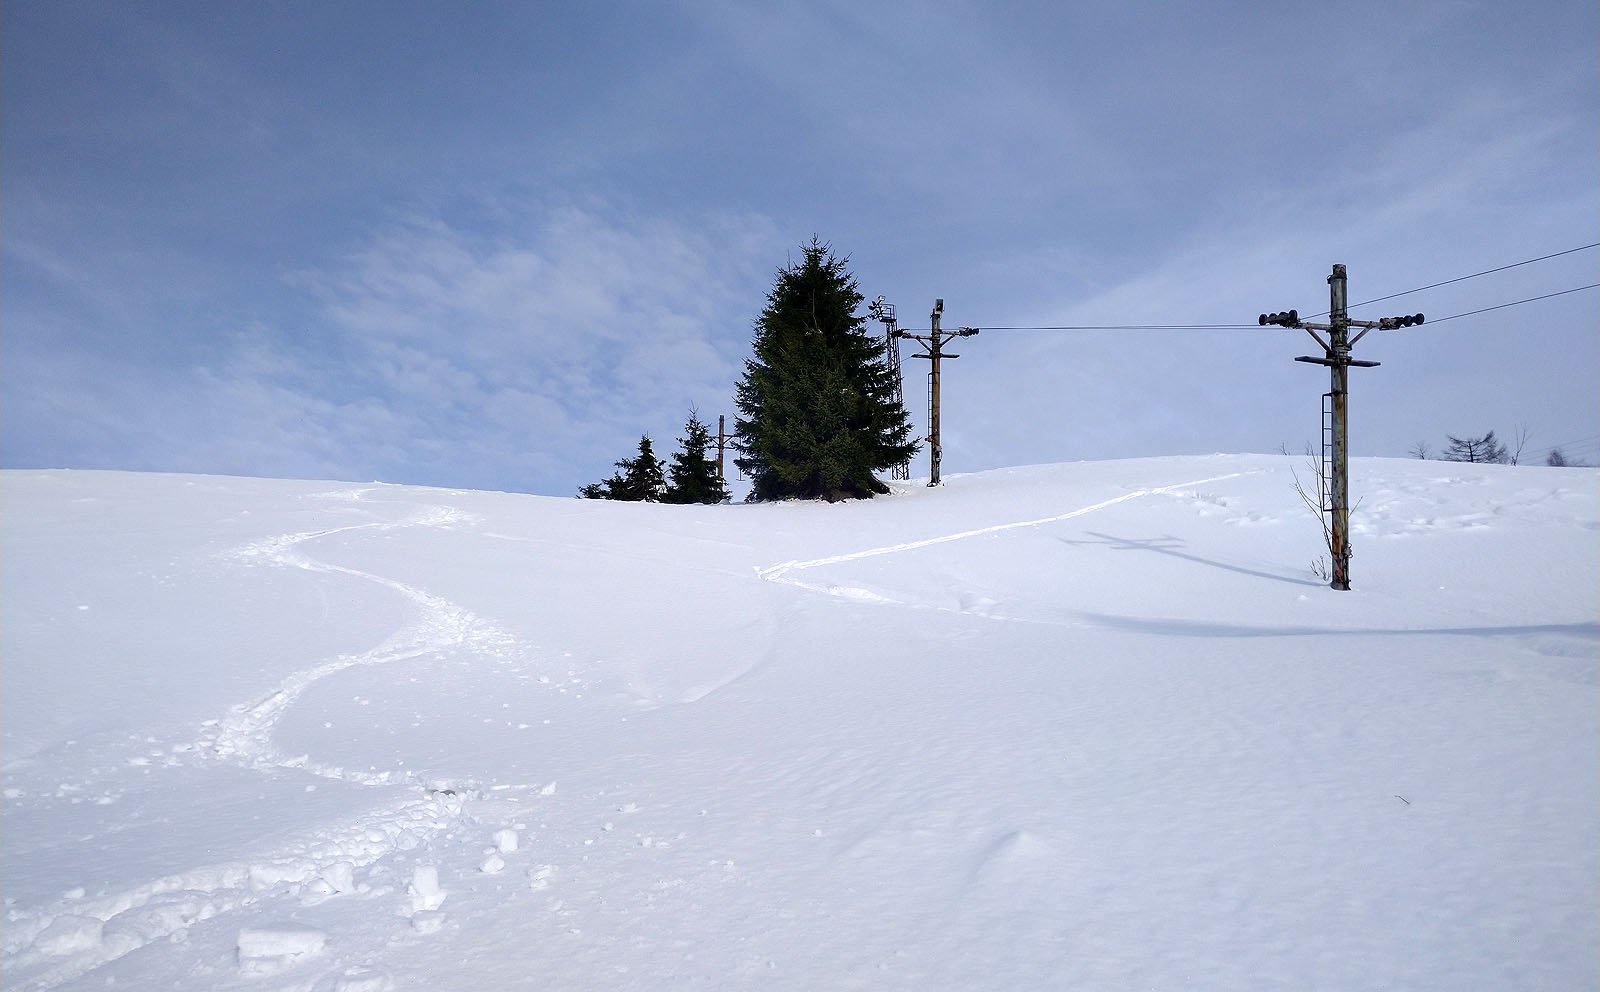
1112	160
527	358
561	344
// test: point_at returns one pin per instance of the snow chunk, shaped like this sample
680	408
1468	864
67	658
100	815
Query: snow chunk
267	876
263	950
69	934
427	921
505	841
167	914
340	876
425	892
539	878
362	980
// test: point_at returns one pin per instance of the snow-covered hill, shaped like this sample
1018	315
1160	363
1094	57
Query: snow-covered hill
1087	726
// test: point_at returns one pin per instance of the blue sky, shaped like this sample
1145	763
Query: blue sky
488	245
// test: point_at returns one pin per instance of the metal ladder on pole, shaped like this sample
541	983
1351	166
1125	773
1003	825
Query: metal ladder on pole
901	471
884	312
891	358
1325	473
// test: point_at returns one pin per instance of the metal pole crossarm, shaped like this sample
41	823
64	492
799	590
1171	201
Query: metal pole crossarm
1318	339
1359	363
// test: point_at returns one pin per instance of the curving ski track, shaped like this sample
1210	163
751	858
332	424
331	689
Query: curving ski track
162	908
782	573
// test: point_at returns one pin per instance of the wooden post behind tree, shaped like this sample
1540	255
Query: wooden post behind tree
692	477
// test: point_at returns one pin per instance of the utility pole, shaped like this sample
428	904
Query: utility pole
1335	467
884	314
934	343
722	441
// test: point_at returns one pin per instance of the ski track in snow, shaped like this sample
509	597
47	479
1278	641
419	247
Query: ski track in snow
783	573
79	935
74	936
244	737
51	945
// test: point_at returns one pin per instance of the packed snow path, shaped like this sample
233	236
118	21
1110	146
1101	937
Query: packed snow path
1111	733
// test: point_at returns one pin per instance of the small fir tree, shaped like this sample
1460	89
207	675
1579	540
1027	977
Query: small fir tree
692	477
642	475
639	480
818	414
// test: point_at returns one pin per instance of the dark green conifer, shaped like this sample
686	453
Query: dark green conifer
692	477
639	479
818	415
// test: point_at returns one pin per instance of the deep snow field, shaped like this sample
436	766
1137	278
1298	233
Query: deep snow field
1090	726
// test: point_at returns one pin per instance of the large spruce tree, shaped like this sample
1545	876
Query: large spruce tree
818	415
691	476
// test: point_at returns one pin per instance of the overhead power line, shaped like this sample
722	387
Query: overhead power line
1589	441
1123	327
1502	306
1380	299
1582	448
1256	327
1475	275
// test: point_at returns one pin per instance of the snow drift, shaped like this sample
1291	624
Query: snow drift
1081	726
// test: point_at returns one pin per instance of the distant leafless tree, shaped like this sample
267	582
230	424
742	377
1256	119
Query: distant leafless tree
1556	459
1519	440
1420	449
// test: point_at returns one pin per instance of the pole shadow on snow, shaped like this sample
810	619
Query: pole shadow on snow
1170	545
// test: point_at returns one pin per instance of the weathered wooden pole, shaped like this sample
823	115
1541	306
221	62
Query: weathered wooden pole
934	450
722	442
1336	356
935	342
1339	375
